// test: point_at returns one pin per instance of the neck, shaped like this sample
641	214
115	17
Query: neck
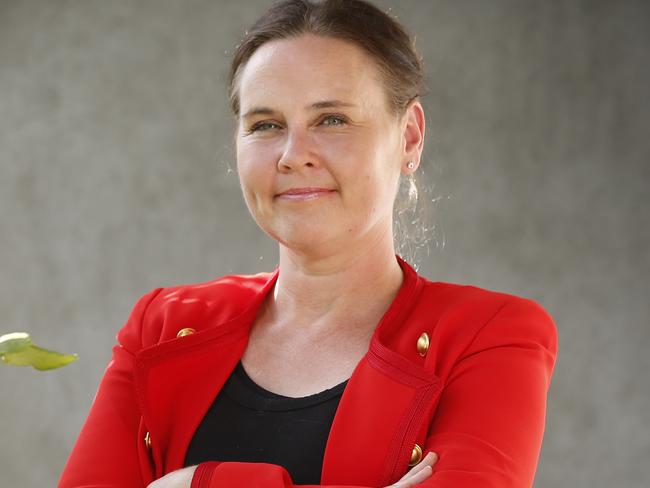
335	292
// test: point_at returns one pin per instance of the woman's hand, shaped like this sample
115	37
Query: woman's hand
417	473
181	478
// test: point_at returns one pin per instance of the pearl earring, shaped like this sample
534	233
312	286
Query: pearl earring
410	165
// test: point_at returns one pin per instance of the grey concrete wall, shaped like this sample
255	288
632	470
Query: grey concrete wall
115	178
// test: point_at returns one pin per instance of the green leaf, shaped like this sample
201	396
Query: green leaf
17	349
14	342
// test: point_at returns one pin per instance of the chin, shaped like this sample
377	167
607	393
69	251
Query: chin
302	238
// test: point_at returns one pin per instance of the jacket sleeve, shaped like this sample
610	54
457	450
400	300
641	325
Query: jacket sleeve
105	454
489	423
247	475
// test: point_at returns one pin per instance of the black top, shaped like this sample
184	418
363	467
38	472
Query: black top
248	423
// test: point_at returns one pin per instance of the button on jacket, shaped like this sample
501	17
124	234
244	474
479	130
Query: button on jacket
455	369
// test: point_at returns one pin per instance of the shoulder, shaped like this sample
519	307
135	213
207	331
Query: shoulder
161	311
464	318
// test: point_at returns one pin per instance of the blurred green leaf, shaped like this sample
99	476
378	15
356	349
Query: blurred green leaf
14	342
17	349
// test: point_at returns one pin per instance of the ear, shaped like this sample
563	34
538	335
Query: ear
413	127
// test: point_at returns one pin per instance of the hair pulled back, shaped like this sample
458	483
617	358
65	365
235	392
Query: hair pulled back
388	44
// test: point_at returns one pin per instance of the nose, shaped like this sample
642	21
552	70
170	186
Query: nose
297	154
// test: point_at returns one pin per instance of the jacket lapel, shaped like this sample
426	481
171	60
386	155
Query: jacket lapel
376	425
178	379
177	387
382	412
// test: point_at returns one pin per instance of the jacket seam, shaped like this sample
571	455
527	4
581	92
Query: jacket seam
407	432
133	356
172	346
487	322
133	374
144	313
142	319
226	336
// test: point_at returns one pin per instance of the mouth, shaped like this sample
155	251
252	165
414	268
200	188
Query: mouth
299	194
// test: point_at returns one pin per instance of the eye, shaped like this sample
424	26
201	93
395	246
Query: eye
328	120
341	120
261	126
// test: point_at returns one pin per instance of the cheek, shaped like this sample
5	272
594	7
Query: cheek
350	158
255	168
375	184
354	143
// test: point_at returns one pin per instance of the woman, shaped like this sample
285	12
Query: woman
343	366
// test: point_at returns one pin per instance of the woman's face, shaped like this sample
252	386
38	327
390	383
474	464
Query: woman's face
314	115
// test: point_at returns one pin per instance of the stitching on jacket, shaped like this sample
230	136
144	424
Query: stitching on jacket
407	431
462	355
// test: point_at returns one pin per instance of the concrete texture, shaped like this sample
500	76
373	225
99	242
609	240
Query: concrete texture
116	176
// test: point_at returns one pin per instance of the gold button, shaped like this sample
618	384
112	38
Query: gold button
147	441
423	344
185	331
416	455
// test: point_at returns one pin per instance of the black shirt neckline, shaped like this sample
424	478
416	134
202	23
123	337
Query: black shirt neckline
247	393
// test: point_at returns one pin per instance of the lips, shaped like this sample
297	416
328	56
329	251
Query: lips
305	193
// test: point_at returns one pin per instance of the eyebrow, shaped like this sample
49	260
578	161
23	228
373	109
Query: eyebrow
313	106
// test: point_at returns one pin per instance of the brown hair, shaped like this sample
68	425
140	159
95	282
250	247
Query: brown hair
354	21
391	47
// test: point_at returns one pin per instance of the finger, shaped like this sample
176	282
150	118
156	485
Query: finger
418	477
428	460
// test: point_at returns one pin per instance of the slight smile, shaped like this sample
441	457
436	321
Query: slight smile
305	193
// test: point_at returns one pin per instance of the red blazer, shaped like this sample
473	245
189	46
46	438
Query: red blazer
476	395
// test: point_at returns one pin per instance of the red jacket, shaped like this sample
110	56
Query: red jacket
476	395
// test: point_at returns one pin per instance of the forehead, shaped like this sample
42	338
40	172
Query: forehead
307	68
